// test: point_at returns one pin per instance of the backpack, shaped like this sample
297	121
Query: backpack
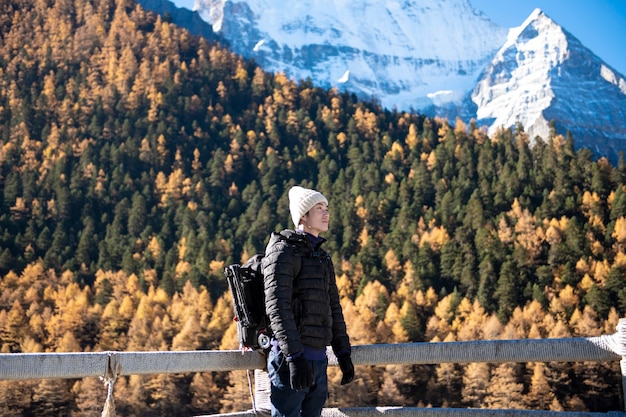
246	284
247	289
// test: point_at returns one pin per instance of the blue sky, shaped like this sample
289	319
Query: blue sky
599	24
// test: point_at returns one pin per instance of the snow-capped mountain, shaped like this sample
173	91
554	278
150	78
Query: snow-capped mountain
396	51
544	73
433	56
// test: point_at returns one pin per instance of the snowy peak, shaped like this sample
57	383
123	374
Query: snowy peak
537	31
534	16
544	73
515	87
397	51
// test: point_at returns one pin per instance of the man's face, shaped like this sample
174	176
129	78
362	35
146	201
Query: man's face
316	220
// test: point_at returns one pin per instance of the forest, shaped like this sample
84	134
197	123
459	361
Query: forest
137	161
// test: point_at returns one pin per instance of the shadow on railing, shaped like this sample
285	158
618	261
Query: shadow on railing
110	365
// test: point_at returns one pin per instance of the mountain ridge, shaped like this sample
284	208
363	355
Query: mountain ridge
499	84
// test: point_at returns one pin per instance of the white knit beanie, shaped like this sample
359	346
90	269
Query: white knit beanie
301	200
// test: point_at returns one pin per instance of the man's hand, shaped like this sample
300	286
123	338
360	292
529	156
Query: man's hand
347	368
300	374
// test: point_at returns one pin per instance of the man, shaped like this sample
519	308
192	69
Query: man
302	303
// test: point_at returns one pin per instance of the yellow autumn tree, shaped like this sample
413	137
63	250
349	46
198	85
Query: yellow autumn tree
475	382
619	233
439	324
473	327
14	328
412	138
90	394
528	235
505	391
221	319
112	328
360	323
205	393
393	322
540	394
374	298
189	336
392	263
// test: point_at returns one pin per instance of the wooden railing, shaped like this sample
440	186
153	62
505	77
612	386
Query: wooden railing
110	365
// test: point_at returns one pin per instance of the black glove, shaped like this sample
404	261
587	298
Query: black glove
347	368
300	374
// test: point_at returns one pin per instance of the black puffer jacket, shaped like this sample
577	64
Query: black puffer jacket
301	296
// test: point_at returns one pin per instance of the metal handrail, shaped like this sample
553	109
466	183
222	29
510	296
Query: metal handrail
110	364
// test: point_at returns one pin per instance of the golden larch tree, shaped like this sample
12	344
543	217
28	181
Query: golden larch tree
540	394
475	382
505	392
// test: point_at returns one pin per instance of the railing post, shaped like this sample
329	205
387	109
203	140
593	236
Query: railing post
262	390
621	340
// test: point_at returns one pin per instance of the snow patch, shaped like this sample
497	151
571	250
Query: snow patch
345	77
211	11
610	76
258	45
